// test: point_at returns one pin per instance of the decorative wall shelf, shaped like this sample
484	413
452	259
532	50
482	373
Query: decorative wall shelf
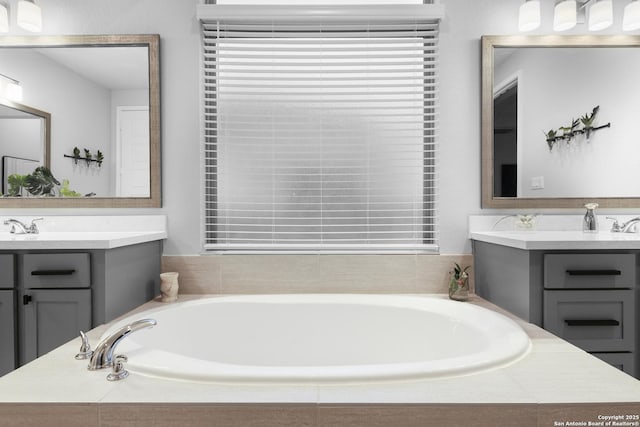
84	158
570	132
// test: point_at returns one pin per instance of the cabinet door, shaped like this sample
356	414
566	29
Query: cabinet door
50	318
7	332
6	271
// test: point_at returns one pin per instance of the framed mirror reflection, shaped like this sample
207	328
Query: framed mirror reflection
96	100
559	121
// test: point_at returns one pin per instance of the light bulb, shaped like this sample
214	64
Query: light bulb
600	15
4	19
631	19
564	15
29	16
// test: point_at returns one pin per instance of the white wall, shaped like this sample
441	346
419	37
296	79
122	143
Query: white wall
175	21
21	137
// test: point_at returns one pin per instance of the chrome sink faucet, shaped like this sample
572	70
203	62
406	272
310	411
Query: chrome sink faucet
18	227
625	227
103	355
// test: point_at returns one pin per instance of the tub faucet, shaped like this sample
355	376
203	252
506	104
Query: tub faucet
18	227
103	355
625	227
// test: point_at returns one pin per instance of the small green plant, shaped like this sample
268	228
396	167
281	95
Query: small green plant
16	184
460	272
87	156
41	182
76	155
65	191
459	283
99	158
587	119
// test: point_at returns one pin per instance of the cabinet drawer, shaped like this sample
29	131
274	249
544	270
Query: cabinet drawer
589	271
6	271
622	361
594	320
56	270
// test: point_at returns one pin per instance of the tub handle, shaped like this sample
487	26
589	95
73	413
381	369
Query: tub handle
85	348
118	372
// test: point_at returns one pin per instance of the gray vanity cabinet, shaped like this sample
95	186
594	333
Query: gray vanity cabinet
7	314
48	297
588	298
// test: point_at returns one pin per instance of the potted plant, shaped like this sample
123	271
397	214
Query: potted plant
459	283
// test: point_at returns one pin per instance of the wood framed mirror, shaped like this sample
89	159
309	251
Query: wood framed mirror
102	93
547	83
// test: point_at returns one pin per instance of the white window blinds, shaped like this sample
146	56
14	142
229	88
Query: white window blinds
320	136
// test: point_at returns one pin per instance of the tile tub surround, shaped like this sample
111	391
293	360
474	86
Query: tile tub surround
251	274
555	382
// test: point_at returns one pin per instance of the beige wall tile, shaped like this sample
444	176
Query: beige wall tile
255	274
368	273
50	415
198	274
239	415
432	272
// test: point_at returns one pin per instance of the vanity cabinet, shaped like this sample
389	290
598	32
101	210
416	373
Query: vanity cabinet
587	297
7	315
48	297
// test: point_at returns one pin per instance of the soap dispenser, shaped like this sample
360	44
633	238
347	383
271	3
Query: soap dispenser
590	221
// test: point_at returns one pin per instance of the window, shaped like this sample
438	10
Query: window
320	136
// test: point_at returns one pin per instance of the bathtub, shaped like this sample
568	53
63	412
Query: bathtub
320	339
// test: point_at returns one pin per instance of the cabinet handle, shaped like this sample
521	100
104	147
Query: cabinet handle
26	299
594	272
52	272
592	322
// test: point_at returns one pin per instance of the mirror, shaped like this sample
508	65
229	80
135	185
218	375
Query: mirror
24	140
535	84
101	99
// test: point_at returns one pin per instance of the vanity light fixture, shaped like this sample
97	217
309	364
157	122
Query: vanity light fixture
564	15
600	15
29	16
529	18
631	18
10	88
4	18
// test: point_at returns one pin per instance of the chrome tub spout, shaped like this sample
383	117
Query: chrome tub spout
103	355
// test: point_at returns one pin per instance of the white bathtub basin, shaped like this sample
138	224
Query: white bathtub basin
320	338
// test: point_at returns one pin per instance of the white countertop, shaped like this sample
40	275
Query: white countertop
85	232
548	240
549	232
77	240
553	372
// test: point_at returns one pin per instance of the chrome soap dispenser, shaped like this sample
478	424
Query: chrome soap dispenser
590	221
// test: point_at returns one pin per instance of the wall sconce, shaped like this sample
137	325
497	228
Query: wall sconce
529	18
4	18
10	88
29	16
568	13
